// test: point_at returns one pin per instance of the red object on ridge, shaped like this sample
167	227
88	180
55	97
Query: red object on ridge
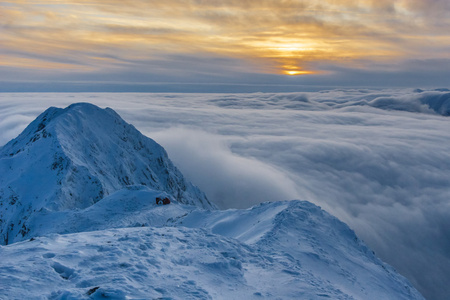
162	201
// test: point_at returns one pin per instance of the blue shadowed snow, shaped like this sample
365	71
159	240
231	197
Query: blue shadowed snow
300	251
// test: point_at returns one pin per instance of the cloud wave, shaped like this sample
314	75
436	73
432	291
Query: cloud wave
377	159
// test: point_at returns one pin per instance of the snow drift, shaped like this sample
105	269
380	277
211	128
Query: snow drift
277	250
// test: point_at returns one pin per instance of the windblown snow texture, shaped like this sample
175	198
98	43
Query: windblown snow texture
72	158
278	250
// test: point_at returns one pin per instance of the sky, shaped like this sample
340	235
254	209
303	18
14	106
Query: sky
378	160
222	46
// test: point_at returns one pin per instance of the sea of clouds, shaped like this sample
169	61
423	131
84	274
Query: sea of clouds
377	159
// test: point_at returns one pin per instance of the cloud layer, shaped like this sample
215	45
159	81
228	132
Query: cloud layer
377	159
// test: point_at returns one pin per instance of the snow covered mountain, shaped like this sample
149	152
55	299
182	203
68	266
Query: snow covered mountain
278	250
80	221
71	158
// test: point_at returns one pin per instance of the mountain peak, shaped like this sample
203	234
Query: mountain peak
72	158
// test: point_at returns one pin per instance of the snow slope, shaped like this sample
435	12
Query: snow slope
279	250
80	221
71	158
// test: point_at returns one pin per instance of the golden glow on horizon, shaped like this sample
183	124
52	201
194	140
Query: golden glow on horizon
297	72
294	70
294	37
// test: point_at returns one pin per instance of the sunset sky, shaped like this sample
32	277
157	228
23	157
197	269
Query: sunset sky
228	45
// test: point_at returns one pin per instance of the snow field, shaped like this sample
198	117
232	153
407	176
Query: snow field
301	252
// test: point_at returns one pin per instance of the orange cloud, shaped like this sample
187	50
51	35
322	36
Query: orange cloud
287	37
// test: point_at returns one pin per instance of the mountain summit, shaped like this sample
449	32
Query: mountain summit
79	220
71	158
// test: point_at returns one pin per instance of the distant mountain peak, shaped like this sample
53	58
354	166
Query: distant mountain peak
71	158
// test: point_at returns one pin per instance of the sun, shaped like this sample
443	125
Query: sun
291	56
297	72
293	69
